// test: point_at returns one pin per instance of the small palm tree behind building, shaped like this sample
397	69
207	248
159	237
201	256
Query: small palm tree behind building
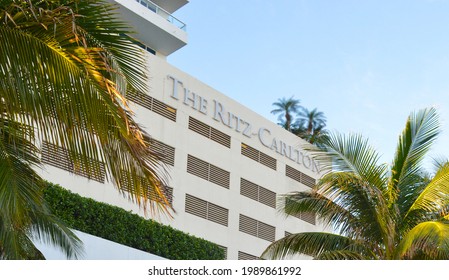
285	108
310	125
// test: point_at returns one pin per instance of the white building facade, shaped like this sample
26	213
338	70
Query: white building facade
226	163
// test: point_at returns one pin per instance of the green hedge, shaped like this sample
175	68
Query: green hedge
115	224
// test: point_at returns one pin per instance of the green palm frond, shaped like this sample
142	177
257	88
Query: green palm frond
312	244
49	230
433	197
350	154
88	116
427	240
340	255
17	156
421	130
65	71
23	211
328	212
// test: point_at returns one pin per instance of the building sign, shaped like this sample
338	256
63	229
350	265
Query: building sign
232	120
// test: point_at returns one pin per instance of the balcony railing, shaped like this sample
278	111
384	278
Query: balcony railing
163	13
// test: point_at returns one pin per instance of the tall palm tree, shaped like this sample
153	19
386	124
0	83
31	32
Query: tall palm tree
311	120
311	126
375	211
65	71
285	108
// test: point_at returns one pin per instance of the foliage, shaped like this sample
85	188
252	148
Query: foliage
24	214
376	211
309	125
285	107
118	225
65	70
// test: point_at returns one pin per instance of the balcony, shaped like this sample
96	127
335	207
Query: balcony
163	13
154	26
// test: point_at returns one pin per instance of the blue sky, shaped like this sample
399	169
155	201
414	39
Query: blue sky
365	64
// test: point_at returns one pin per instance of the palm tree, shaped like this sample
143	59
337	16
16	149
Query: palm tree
311	126
311	120
285	108
65	71
376	211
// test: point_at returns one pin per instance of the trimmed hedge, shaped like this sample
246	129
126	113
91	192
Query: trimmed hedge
115	224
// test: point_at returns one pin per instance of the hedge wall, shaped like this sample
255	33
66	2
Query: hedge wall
115	224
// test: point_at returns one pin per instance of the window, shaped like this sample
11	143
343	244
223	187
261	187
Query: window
209	132
246	256
256	228
258	156
153	104
126	186
166	152
207	171
206	210
59	157
299	176
257	193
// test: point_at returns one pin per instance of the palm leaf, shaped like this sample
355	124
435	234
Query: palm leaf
314	244
433	198
420	132
427	240
88	116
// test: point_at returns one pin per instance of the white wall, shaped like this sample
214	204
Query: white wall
96	248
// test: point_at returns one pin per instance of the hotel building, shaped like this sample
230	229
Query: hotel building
226	163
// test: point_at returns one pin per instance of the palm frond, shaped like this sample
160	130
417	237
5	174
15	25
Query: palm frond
350	154
340	255
313	244
427	240
49	230
71	92
330	214
421	130
432	198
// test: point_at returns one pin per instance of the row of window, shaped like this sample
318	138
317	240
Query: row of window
220	215
59	157
215	135
217	214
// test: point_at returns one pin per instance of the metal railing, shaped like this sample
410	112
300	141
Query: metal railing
163	13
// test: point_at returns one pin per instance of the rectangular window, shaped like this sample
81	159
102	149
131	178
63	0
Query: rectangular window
127	185
209	132
208	171
258	156
166	152
257	193
206	210
153	104
59	157
257	228
299	176
246	256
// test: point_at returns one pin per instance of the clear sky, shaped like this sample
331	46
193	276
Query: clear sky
365	64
